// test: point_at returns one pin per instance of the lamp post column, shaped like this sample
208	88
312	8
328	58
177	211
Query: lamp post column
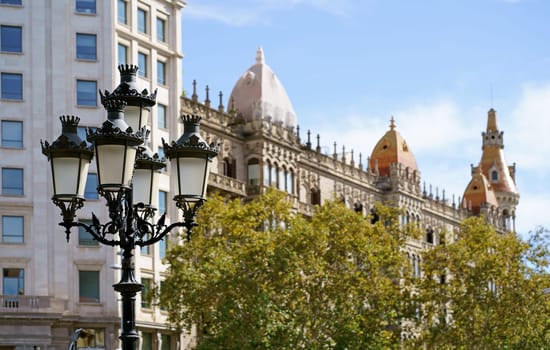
128	288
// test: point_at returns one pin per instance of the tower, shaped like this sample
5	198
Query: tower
494	179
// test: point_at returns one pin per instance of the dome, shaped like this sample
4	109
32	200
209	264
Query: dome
479	192
258	94
391	148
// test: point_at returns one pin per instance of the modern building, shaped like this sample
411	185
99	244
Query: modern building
55	55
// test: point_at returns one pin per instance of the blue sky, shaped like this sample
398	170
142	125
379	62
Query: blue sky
436	66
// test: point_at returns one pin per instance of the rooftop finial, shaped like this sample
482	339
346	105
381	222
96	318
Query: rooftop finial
194	97
318	148
392	123
220	105
260	55
308	143
207	100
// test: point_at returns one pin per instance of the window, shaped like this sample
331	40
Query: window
12	181
88	284
229	167
90	191
142	64
10	2
161	116
85	6
165	342
122	11
84	237
494	175
10	39
163	196
91	339
86	46
122	54
162	247
86	93
146	293
161	30
253	172
315	196
142	20
161	73
12	229
160	152
12	134
13	282
146	249
146	341
12	86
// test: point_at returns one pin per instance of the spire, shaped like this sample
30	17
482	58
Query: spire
318	148
194	97
392	123
207	100
220	105
260	56
492	120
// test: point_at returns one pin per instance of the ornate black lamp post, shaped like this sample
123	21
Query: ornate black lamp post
127	174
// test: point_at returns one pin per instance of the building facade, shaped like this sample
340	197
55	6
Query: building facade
55	55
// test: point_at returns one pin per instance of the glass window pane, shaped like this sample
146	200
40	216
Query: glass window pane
166	342
162	248
146	341
142	64
13	282
161	36
12	181
85	238
142	20
10	39
12	229
163	195
90	191
161	116
12	86
86	46
121	12
122	54
11	2
88	286
161	73
146	292
86	93
94	339
12	134
85	6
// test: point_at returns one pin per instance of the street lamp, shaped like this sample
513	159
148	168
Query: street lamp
128	180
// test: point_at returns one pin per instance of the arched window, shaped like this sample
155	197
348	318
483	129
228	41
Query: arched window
315	196
282	179
273	176
430	236
267	174
229	167
253	172
289	184
494	175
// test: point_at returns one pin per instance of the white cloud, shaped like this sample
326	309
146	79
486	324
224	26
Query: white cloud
528	136
532	211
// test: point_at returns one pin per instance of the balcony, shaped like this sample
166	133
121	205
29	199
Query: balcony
23	303
227	184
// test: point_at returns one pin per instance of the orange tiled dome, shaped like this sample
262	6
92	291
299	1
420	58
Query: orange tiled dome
391	148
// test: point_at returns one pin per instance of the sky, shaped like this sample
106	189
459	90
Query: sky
436	66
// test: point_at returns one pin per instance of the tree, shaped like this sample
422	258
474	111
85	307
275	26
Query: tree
257	276
486	291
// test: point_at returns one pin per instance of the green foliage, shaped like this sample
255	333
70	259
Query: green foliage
257	276
492	296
